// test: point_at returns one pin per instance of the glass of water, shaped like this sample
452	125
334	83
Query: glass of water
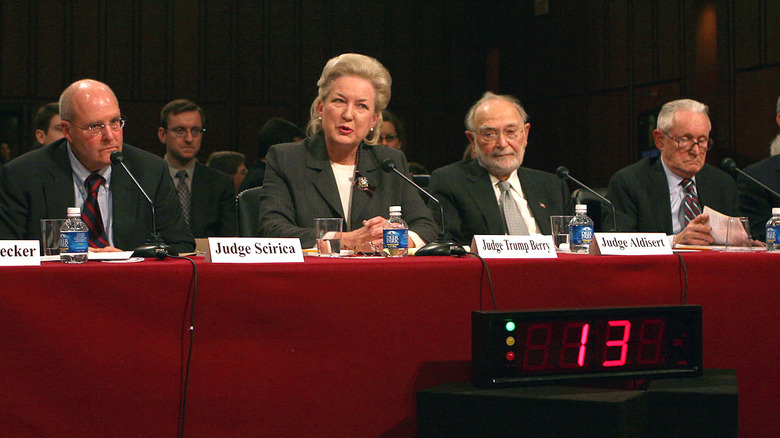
560	232
328	232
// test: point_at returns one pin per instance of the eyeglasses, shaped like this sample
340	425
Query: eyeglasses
388	137
182	132
687	143
96	129
490	135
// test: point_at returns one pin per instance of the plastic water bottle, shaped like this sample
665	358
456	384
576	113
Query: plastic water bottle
74	238
581	230
395	232
773	231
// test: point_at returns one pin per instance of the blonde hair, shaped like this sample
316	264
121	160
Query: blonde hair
362	66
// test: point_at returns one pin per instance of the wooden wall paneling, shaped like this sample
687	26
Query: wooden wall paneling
86	50
617	48
143	119
596	52
558	135
670	40
121	60
756	100
545	42
772	32
644	44
647	98
14	58
282	72
608	136
185	50
575	32
219	134
152	70
249	72
747	33
49	52
219	52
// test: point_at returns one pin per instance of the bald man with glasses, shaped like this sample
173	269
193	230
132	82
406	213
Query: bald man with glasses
76	171
667	194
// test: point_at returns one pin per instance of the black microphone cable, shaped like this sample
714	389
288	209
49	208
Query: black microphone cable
460	251
684	268
185	371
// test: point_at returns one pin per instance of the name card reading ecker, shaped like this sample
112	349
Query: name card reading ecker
253	250
20	253
631	244
514	247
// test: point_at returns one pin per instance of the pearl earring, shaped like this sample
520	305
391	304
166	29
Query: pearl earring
372	129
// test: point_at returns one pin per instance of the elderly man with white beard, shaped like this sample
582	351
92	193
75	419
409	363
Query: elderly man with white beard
492	194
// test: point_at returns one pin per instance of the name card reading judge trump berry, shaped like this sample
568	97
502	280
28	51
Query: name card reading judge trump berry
514	247
631	244
253	250
20	253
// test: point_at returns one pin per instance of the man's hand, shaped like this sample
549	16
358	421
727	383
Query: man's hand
696	233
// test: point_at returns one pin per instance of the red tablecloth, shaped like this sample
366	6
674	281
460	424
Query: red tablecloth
333	347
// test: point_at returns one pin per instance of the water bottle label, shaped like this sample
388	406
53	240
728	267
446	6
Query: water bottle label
581	235
771	235
74	241
396	238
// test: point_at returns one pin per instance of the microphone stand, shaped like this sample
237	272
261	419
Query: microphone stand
731	166
154	245
563	173
442	245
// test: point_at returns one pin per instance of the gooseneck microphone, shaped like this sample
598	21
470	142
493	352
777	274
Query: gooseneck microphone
154	247
442	245
563	173
730	165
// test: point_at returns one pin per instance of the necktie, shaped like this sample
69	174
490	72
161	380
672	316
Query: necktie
90	212
691	207
185	196
514	221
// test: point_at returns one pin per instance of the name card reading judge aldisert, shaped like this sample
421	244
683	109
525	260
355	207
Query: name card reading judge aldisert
514	247
631	243
253	250
20	253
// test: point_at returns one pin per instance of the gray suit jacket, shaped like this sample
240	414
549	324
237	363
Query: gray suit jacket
299	186
39	185
213	204
470	205
640	194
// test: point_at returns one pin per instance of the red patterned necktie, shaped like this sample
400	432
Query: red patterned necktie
691	207
90	213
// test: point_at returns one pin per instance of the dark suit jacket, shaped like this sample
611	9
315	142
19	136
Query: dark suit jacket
299	186
254	177
755	202
39	185
213	204
470	205
640	194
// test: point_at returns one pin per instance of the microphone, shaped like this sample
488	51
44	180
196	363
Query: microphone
730	165
154	247
563	173
442	245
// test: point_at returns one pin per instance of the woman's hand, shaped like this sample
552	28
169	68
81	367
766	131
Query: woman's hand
371	231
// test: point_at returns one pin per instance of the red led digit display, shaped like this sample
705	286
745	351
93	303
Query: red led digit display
569	343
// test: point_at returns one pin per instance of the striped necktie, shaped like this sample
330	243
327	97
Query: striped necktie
691	207
514	220
90	212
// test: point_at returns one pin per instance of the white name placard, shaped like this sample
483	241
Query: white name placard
514	247
253	250
631	243
20	253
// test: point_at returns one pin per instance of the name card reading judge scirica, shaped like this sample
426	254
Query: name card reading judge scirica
514	247
20	253
631	244
253	250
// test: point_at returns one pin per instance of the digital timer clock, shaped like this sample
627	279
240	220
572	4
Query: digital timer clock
528	347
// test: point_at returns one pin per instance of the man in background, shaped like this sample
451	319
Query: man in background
275	131
494	194
48	126
755	202
667	194
76	171
230	163
206	195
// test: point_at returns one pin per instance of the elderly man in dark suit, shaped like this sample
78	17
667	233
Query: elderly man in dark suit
207	196
492	194
44	183
667	194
